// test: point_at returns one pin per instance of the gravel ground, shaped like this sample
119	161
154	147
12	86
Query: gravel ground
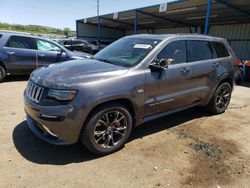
187	149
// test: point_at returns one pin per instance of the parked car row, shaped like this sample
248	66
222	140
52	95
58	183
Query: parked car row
22	53
91	47
76	45
96	45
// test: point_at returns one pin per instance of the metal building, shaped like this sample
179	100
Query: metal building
229	19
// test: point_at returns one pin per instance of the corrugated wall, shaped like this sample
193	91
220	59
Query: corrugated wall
173	30
163	30
89	32
238	36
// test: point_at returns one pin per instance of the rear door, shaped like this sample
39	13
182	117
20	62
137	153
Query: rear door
49	53
204	66
222	58
21	54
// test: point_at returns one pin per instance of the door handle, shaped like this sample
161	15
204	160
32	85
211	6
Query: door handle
41	55
10	53
185	70
215	65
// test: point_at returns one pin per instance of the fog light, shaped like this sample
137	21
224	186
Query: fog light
49	116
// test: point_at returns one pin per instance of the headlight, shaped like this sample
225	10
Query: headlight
62	95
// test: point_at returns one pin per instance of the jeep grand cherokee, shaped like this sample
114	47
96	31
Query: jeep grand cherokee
134	80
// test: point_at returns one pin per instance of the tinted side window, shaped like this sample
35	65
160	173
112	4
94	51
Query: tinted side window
0	36
220	49
74	42
174	50
214	54
21	42
67	42
198	50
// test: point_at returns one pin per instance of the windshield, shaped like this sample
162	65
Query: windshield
127	51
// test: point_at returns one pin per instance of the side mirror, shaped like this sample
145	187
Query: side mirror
60	52
159	65
155	67
166	62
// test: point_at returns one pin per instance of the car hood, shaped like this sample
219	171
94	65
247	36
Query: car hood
71	73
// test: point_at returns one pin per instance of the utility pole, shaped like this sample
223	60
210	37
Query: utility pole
99	20
98	7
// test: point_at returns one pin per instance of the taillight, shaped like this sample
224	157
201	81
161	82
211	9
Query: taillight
238	62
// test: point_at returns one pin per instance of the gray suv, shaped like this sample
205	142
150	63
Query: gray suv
134	80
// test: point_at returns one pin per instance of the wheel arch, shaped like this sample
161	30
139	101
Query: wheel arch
227	79
127	103
3	65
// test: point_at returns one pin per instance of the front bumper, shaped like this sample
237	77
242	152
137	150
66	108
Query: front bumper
43	134
60	131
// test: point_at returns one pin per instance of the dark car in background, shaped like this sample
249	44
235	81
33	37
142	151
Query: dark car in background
96	45
22	53
76	45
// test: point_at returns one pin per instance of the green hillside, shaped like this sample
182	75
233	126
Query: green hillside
36	29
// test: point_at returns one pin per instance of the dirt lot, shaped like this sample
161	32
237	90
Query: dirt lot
187	149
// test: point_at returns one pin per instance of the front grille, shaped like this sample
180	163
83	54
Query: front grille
34	92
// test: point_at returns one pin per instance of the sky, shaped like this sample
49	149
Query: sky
62	13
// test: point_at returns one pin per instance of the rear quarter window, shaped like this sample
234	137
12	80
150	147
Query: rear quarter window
21	42
199	50
220	49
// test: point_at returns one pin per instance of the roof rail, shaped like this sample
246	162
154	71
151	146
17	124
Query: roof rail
189	34
11	31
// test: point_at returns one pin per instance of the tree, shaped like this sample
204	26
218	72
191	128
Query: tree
66	31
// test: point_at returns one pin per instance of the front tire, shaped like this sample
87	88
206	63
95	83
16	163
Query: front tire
107	130
2	73
220	99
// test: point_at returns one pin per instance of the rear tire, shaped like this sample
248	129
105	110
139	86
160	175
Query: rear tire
2	73
221	99
107	130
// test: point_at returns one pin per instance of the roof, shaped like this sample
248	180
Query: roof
181	35
151	36
179	13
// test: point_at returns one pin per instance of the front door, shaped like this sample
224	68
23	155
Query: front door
49	53
172	85
176	84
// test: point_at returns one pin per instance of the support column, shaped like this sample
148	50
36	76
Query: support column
206	30
99	29
136	22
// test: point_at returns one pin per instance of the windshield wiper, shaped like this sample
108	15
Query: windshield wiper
106	60
112	62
